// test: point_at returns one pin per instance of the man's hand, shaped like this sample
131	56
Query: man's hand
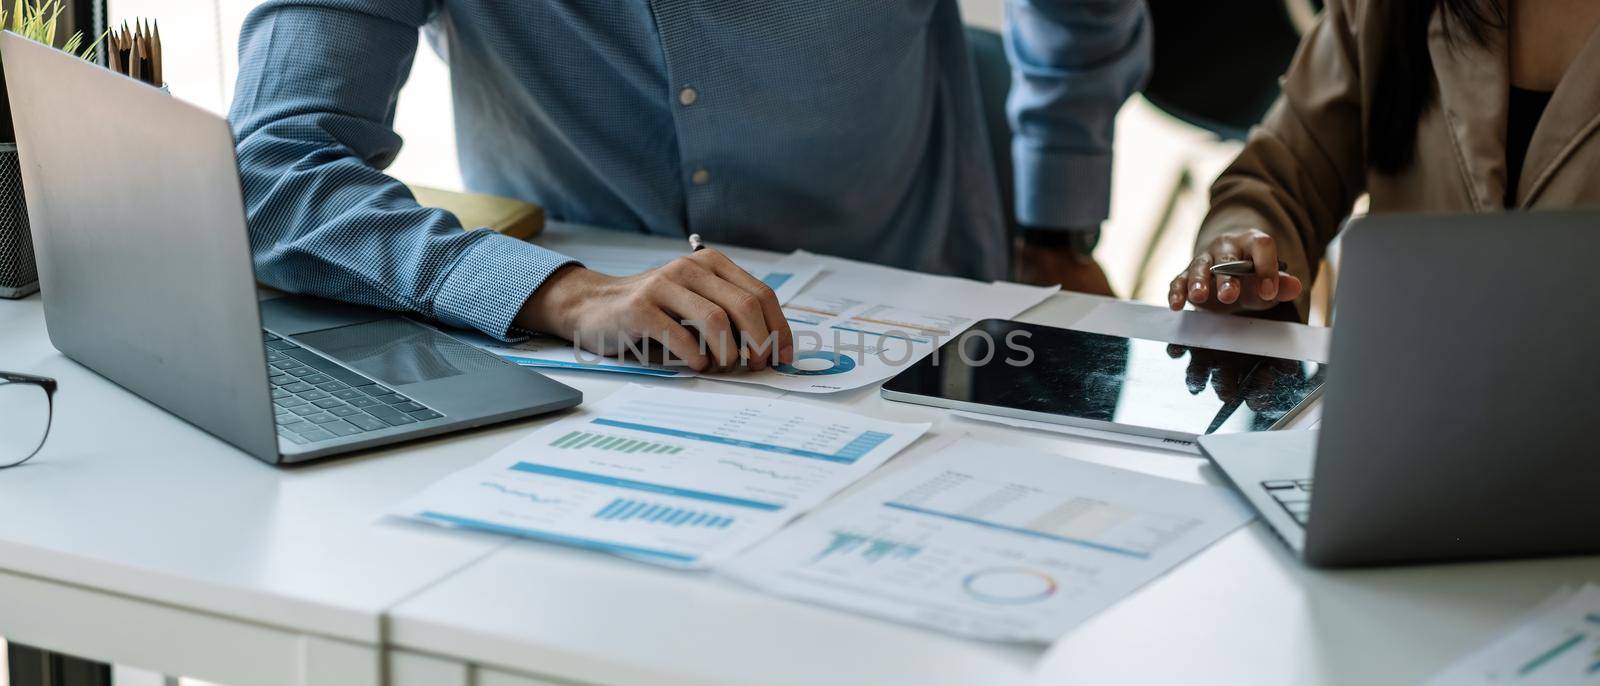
1043	259
701	307
1263	291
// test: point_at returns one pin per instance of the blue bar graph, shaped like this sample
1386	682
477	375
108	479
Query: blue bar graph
776	280
628	509
852	451
870	548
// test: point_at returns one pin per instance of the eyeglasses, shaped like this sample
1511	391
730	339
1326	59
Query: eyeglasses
27	406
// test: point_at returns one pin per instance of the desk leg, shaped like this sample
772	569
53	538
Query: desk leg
34	667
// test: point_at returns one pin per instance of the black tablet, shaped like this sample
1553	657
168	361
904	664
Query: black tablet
1143	387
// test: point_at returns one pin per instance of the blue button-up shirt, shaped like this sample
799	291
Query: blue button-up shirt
847	127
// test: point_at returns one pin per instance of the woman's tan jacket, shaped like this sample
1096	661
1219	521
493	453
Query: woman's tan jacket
1305	166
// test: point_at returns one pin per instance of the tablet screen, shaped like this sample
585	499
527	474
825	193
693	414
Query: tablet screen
1131	382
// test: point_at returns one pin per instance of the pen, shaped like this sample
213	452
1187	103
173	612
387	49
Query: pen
695	244
1241	268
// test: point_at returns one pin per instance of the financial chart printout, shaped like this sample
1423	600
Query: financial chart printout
666	476
1557	644
992	542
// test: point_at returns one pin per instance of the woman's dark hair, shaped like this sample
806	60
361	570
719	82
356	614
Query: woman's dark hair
1404	85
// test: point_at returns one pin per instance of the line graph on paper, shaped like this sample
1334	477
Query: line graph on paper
526	495
770	473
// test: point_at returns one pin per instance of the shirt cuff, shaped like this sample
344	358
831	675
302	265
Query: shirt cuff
491	281
1062	189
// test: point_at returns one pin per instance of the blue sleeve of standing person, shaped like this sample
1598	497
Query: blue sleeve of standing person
1074	63
313	117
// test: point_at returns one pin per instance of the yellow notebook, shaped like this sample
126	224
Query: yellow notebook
515	218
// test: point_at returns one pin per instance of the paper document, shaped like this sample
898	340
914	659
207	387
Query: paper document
1556	644
859	324
665	476
992	542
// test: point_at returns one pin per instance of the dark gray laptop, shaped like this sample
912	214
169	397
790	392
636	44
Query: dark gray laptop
1462	402
145	270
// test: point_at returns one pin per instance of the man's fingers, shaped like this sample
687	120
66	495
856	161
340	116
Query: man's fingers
1264	253
782	348
677	340
749	325
714	325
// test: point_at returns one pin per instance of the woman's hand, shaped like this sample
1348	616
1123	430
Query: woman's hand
1262	291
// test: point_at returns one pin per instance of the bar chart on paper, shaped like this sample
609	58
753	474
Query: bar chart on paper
627	509
868	548
574	440
667	476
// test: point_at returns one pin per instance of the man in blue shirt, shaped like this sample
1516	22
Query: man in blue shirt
846	127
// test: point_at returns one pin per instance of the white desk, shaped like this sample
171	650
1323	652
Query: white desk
136	539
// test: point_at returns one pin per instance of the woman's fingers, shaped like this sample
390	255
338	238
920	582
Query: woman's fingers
1264	252
1290	287
1227	286
1200	278
1175	290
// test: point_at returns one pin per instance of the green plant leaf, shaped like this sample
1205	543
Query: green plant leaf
39	20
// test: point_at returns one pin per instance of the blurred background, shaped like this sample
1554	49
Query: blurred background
1153	148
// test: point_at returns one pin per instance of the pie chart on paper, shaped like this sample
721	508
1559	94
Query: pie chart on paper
817	363
1009	586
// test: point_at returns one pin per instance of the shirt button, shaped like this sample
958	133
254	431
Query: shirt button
701	177
688	96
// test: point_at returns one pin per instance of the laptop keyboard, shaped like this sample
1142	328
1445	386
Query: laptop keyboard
315	399
1293	495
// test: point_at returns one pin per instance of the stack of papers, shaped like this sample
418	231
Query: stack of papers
665	476
855	324
1556	644
992	542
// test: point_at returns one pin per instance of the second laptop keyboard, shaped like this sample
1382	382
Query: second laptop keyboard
315	399
1294	495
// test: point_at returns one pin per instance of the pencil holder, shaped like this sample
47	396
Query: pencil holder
19	277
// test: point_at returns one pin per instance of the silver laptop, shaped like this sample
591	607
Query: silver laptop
145	271
1462	400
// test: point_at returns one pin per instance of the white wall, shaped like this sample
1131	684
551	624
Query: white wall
201	42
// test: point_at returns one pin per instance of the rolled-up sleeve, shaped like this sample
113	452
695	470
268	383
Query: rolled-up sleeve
313	117
1074	63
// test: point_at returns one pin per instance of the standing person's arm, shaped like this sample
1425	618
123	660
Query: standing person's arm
1074	63
313	115
1286	194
